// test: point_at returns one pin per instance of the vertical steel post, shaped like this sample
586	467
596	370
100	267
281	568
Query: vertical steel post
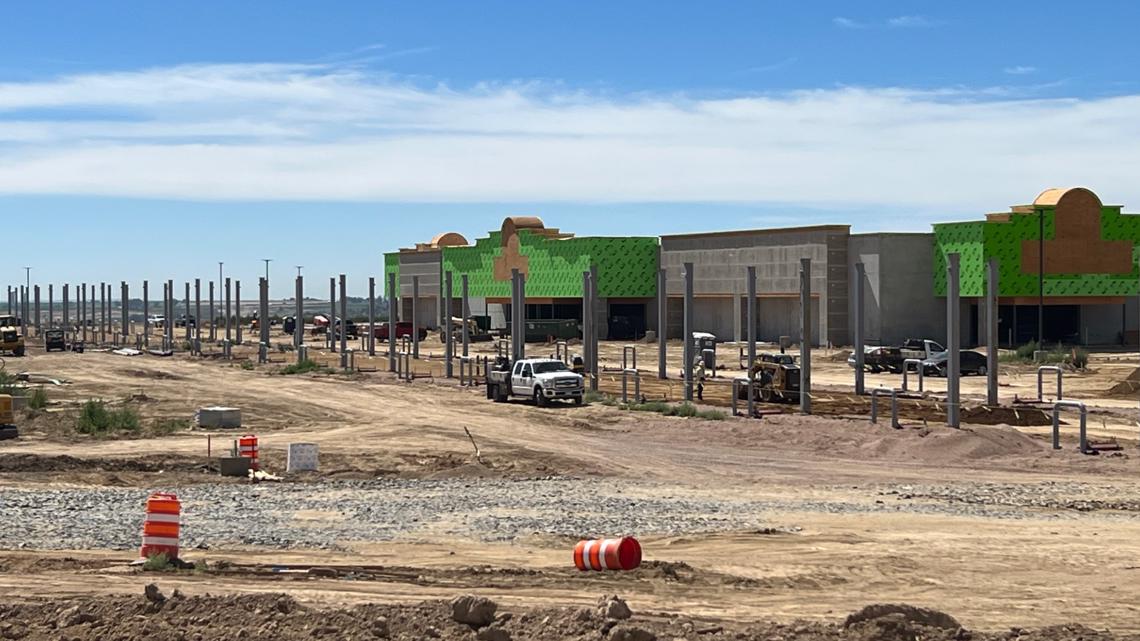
228	309
393	302
66	306
595	331
343	323
522	315
514	314
805	336
415	318
587	324
371	315
662	322
687	333
263	324
198	315
466	303
449	340
213	316
146	314
953	355
751	287
125	310
237	311
992	289
330	334
186	312
859	277
37	320
51	306
81	298
299	322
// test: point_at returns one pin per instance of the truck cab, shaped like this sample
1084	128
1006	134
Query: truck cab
539	379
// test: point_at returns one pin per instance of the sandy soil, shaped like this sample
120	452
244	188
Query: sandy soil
1042	567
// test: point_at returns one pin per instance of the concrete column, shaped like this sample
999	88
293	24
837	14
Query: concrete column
229	290
213	316
448	342
51	306
81	311
393	303
662	322
415	318
330	335
857	294
371	316
94	315
237	312
197	312
37	318
953	336
687	333
992	290
750	282
343	324
299	325
806	337
466	311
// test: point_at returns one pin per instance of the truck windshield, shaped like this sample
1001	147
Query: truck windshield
547	368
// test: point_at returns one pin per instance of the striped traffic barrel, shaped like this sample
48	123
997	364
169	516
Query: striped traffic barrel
161	527
608	554
247	447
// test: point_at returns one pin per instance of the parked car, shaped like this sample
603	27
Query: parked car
183	320
154	320
970	362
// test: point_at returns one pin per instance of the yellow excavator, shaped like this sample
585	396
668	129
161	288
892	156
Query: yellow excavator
10	339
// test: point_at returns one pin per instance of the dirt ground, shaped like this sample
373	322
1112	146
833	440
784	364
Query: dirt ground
1048	564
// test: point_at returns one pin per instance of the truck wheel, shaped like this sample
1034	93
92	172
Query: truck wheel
982	370
19	351
539	399
493	391
577	400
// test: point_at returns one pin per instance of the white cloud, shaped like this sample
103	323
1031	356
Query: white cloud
847	23
910	21
289	132
1020	70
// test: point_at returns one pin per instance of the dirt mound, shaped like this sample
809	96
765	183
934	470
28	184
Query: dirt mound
1129	387
155	616
839	357
151	373
1015	416
40	463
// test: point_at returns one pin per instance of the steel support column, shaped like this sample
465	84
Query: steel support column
859	276
687	333
805	336
992	289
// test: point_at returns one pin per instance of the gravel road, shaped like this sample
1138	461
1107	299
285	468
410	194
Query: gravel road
327	515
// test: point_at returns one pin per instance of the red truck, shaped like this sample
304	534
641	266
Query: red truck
403	328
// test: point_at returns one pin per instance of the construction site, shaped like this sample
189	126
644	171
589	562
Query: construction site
784	434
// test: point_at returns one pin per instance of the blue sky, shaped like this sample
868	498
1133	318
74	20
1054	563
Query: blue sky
161	138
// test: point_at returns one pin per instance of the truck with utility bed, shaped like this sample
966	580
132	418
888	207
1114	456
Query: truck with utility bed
885	358
539	379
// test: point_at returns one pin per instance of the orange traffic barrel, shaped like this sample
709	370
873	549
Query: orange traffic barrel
161	527
608	554
247	447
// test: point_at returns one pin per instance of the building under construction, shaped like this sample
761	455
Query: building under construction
1067	267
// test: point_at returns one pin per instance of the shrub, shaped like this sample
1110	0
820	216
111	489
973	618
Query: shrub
38	399
712	415
95	418
10	385
302	367
247	366
157	563
164	426
661	407
1079	358
685	410
1025	352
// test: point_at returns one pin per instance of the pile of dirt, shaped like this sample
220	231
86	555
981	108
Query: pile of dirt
39	463
1128	388
154	616
839	357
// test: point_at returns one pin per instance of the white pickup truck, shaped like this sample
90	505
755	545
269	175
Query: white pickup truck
539	379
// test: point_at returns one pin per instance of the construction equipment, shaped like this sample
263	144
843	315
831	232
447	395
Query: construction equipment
54	339
474	333
10	339
7	418
777	377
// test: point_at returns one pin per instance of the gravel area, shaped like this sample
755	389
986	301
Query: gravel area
329	515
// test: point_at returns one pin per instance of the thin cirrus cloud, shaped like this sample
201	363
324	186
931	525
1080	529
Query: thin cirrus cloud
274	132
897	22
1020	70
